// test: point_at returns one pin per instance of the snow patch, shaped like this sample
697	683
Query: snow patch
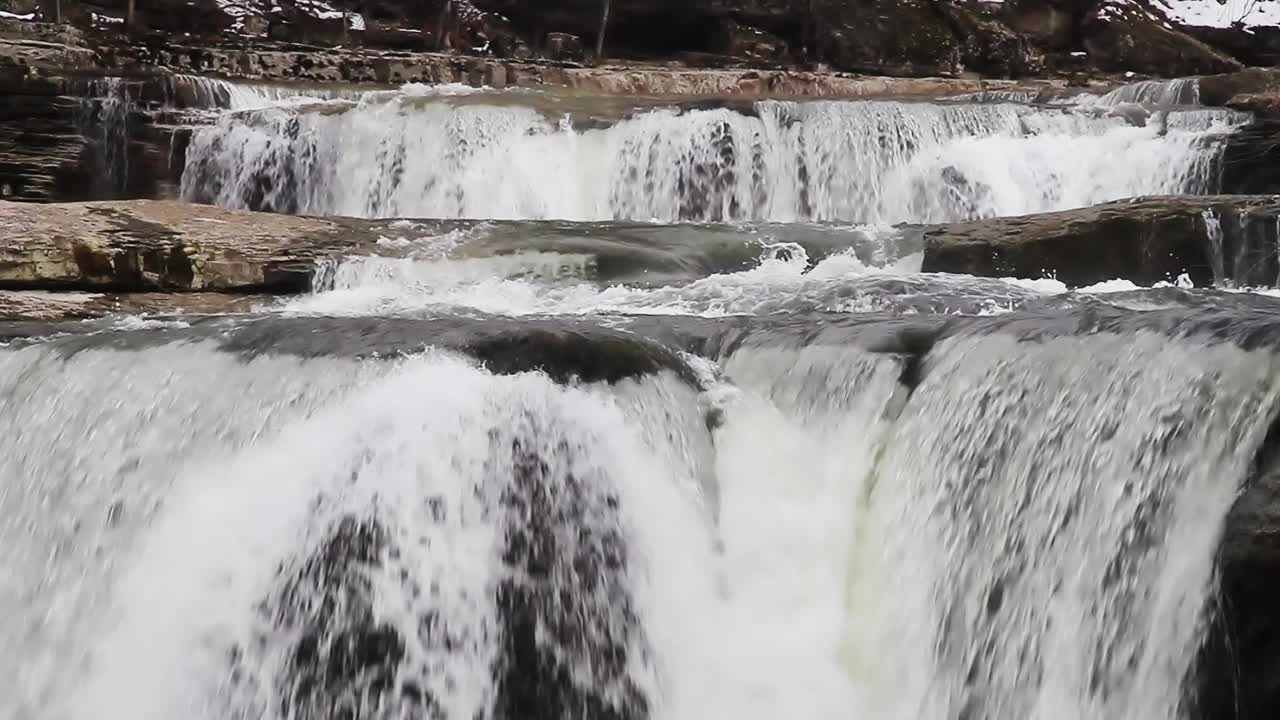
325	11
1222	13
14	16
235	9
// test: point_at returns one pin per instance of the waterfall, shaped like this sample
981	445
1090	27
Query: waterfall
104	120
1013	529
1213	239
205	92
1054	511
1161	93
405	155
650	469
489	549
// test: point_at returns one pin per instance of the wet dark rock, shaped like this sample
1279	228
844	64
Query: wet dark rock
42	145
990	45
737	40
566	349
1258	47
1051	25
898	37
610	348
564	47
1145	240
1251	159
1238	677
68	139
1248	321
1254	89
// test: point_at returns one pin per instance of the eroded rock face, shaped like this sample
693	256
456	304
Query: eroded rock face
1130	37
72	138
1224	238
893	37
1251	159
41	142
1239	676
744	41
143	246
991	46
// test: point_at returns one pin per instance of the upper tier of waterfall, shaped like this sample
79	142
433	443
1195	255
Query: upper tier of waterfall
415	153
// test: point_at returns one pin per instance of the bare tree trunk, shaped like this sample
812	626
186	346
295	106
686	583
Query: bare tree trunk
446	10
128	17
809	31
604	24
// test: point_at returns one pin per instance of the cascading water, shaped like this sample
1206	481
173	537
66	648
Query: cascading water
465	557
640	472
410	156
105	119
1213	237
1179	91
1051	524
212	93
1023	534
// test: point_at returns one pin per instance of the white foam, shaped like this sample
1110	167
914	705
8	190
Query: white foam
869	162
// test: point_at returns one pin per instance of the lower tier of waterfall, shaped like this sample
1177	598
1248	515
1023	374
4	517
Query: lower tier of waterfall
203	522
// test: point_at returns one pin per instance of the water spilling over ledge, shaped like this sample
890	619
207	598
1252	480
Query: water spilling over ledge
403	154
499	463
422	576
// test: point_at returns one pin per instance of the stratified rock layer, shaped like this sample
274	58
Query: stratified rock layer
1146	240
143	246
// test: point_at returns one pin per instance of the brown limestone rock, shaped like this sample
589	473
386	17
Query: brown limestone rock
142	245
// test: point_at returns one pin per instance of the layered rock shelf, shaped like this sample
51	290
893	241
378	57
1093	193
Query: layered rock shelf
113	248
1146	240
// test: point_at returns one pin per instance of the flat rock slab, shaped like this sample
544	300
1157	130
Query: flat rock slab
142	246
44	305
